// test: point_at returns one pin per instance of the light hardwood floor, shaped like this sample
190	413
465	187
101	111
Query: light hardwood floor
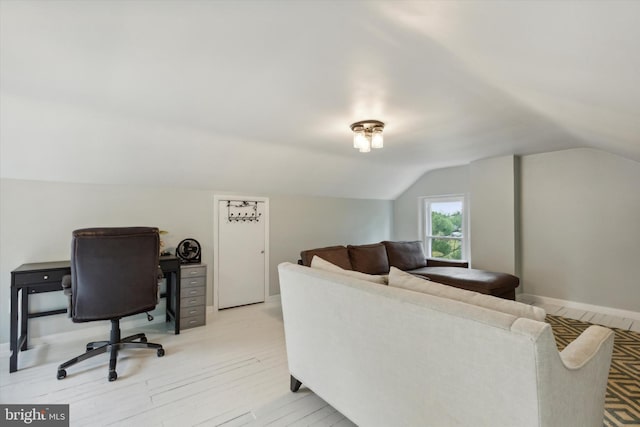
588	316
231	372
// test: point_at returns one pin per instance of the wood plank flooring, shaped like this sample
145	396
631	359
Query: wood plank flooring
588	316
231	372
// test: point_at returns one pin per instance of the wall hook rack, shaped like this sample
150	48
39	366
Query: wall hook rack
243	210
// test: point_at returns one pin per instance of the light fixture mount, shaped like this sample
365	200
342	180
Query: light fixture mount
367	134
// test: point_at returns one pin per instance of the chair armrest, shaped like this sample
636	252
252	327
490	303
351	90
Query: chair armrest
66	284
585	347
432	262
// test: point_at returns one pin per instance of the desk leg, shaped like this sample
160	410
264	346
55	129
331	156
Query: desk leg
24	318
13	336
169	280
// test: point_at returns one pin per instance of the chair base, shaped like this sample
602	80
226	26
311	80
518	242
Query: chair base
112	346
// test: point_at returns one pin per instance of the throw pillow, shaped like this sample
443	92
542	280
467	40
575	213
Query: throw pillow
321	264
400	279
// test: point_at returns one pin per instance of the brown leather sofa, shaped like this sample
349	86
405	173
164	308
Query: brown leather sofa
377	258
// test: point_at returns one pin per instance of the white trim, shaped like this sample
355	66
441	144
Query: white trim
214	296
627	314
266	247
273	298
216	202
422	217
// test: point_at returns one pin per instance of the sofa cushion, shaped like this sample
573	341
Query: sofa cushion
321	264
400	279
370	259
405	255
338	255
469	278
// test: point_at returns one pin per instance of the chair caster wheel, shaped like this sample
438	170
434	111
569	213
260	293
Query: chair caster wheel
160	352
113	375
89	347
61	374
143	339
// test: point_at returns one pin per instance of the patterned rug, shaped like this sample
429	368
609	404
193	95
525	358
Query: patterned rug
622	403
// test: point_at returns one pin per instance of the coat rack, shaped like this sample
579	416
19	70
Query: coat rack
236	211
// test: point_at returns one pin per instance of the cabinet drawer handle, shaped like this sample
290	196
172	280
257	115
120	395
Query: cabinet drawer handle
193	292
193	272
193	282
192	301
192	321
46	277
193	311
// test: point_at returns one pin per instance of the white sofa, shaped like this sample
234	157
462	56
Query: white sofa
385	356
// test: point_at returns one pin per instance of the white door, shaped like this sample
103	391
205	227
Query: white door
241	251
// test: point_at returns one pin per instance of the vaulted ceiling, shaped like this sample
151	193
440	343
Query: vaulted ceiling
258	96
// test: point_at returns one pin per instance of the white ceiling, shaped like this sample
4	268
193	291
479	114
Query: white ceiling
258	96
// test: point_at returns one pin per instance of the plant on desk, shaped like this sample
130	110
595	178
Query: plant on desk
162	250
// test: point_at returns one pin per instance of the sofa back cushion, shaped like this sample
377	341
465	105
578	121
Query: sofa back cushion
405	255
400	279
338	255
321	264
369	259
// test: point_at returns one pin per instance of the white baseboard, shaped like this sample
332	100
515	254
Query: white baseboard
270	298
627	314
273	298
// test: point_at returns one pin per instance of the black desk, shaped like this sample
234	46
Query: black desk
42	277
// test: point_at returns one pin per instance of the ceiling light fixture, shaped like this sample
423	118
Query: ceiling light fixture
367	134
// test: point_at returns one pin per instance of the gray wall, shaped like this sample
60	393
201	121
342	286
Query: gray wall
37	218
439	182
299	223
581	227
493	214
578	237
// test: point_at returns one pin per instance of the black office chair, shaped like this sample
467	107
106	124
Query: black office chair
114	273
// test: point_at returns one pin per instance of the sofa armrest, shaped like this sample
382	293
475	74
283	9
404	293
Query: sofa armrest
433	262
581	350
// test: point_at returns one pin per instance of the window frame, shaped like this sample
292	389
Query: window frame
425	224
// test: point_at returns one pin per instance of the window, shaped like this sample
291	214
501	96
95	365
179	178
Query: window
444	223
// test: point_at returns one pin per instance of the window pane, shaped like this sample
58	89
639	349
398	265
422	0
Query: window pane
446	248
446	219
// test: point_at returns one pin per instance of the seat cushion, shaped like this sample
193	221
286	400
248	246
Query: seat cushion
338	255
485	282
405	255
400	279
321	264
370	259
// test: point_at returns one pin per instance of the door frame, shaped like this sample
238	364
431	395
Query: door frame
216	262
